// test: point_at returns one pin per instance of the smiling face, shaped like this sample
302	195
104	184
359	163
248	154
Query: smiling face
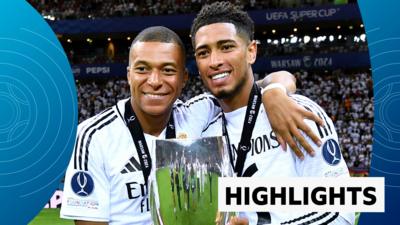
156	76
224	59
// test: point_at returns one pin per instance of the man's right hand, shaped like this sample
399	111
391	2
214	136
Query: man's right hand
238	221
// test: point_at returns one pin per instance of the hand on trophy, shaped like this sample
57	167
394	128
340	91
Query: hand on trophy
238	221
218	218
233	220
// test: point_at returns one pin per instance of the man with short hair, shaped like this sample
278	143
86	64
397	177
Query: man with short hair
222	37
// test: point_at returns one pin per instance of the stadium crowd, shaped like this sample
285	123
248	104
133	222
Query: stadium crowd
346	97
314	45
91	9
96	54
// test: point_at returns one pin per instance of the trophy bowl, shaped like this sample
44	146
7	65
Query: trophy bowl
184	181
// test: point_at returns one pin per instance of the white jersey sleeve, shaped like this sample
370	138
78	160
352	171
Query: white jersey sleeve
86	187
196	113
328	160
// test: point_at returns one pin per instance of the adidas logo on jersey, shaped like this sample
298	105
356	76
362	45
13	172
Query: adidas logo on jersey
131	166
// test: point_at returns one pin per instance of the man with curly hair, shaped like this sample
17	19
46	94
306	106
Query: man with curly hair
225	49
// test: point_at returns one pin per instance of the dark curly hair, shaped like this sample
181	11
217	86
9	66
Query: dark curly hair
224	12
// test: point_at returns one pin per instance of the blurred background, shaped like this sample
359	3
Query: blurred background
322	42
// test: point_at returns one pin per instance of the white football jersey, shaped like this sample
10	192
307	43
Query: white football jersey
267	159
104	179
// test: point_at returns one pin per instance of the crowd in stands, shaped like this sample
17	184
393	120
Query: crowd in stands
91	9
95	96
346	43
89	54
347	98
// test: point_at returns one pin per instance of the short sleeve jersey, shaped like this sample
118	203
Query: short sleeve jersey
104	179
267	159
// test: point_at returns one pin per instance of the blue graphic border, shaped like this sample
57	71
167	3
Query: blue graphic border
383	35
38	112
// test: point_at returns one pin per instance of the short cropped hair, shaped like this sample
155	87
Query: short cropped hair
160	34
224	12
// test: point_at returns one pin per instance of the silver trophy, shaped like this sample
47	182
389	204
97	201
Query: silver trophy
184	181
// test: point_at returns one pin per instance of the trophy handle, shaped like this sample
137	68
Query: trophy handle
219	218
155	204
159	218
226	170
222	218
